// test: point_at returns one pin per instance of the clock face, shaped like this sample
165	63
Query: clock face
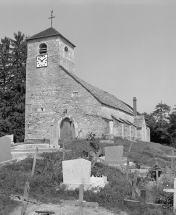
42	60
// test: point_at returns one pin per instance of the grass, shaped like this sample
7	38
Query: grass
48	176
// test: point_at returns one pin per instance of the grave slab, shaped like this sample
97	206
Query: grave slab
5	149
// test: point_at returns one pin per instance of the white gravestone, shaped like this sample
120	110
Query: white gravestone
174	192
114	155
76	171
11	138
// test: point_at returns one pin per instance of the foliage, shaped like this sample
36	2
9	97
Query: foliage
45	185
13	54
162	123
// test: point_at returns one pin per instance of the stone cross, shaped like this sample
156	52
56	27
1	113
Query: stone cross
172	159
174	192
81	203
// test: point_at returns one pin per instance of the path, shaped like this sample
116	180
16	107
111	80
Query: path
65	210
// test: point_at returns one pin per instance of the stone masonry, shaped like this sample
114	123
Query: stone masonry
54	93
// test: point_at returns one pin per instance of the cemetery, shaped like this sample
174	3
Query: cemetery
122	177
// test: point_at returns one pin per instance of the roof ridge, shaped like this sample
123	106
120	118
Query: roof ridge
54	30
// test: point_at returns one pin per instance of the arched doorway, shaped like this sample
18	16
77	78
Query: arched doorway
67	129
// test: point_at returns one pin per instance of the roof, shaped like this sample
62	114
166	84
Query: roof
102	96
50	32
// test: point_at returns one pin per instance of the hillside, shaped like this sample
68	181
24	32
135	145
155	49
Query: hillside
48	176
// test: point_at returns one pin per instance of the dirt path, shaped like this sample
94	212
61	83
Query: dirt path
65	210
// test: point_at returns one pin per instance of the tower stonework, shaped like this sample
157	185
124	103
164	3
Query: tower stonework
43	80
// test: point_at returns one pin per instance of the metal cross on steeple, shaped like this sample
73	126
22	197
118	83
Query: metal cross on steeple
52	17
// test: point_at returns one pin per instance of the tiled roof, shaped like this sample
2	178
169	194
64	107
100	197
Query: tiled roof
50	32
103	97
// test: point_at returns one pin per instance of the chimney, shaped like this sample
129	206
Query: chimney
135	106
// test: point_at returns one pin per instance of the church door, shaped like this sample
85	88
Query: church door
67	130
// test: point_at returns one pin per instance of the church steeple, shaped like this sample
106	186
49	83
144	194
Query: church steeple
50	32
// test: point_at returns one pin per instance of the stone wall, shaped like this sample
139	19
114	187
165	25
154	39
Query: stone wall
50	101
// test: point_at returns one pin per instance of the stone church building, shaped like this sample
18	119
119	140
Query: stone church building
60	105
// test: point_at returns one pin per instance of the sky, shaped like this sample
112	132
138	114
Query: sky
124	47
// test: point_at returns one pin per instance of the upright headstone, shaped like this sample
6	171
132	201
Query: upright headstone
11	137
174	192
54	134
76	172
114	155
5	149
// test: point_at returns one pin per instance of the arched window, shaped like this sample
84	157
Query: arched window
43	48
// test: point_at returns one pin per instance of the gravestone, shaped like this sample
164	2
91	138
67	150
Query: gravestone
114	155
11	137
174	192
76	172
5	149
54	134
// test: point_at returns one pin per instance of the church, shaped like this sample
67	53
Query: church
59	105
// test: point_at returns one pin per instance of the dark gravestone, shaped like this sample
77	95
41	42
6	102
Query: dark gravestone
5	149
67	130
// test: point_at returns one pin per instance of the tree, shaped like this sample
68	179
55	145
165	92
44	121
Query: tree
13	53
172	127
159	122
161	113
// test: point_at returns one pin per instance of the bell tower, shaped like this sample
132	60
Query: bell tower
47	52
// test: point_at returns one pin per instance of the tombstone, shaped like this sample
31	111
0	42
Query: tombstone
114	155
67	130
76	172
11	137
5	149
54	134
174	192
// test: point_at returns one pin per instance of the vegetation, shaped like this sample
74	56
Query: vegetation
45	186
12	85
162	123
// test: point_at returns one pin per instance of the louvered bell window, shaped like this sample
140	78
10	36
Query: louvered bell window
43	48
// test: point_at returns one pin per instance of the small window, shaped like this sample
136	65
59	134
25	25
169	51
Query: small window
66	49
43	48
75	94
40	109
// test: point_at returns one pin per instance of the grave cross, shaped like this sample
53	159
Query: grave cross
174	192
81	203
127	165
27	185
